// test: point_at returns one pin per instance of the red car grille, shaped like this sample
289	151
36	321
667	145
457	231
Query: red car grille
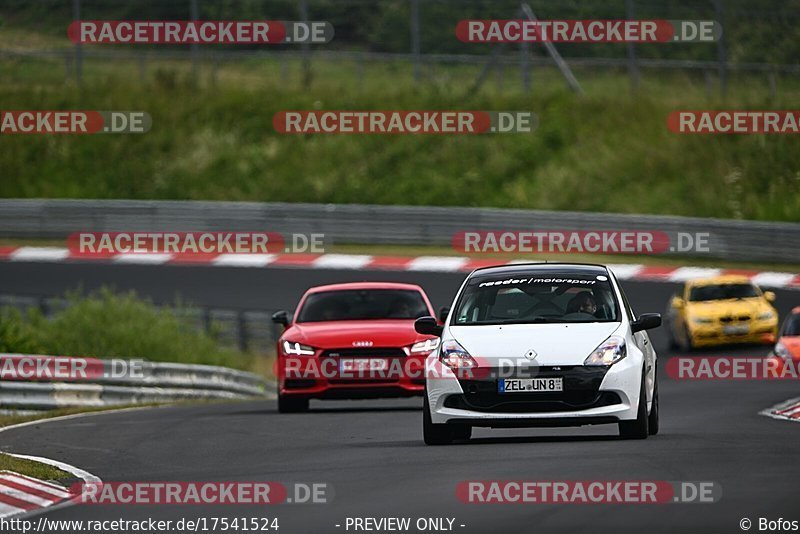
365	353
389	354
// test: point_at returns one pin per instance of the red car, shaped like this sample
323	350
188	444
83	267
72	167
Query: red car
787	348
353	341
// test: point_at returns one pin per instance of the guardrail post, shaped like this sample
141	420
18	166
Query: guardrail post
719	9
244	341
772	77
633	65
207	320
415	39
67	67
303	9
525	66
194	14
142	67
44	307
76	16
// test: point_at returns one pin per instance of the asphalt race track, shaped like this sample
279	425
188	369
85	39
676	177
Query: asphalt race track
371	452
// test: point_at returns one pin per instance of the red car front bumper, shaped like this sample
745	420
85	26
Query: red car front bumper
321	377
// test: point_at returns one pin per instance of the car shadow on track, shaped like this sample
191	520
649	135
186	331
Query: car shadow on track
537	439
499	440
363	409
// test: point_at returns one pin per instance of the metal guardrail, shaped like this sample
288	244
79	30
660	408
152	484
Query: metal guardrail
373	224
245	330
221	56
152	383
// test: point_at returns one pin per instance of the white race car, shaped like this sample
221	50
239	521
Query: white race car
540	345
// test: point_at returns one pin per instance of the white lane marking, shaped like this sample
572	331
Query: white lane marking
142	258
40	254
436	263
41	485
244	260
773	279
625	271
342	261
683	274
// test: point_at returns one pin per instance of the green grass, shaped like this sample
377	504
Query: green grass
109	325
32	469
212	138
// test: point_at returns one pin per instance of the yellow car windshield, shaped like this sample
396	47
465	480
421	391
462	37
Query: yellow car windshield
722	292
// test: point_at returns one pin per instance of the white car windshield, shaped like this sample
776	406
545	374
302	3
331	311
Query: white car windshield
535	298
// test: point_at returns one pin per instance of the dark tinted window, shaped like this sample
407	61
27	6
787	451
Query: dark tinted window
722	291
361	304
792	326
535	298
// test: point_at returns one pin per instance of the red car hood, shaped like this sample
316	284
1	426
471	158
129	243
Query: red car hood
792	344
348	334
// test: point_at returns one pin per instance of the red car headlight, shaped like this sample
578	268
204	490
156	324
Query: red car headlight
296	349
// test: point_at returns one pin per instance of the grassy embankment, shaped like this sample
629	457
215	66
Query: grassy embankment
214	139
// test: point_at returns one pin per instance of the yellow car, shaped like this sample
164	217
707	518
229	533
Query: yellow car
721	310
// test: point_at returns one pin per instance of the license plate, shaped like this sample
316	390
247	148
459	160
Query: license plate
530	385
733	330
357	365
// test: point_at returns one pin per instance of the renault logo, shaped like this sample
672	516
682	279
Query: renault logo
531	354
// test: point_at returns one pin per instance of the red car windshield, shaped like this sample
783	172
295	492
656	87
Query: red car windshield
362	304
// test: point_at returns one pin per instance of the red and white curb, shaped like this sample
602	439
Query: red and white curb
786	411
381	263
20	494
23	495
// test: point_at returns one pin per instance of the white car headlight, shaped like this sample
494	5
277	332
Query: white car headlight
609	352
296	349
781	351
765	316
425	346
702	320
455	356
